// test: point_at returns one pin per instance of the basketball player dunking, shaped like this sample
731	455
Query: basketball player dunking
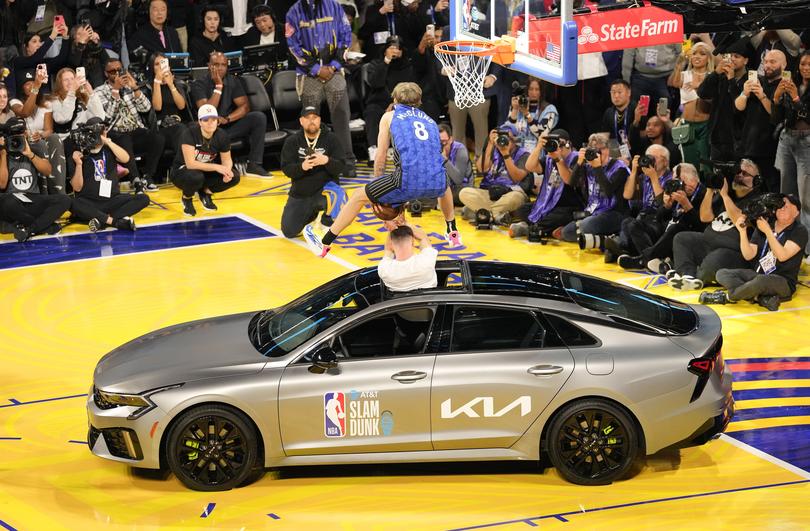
418	171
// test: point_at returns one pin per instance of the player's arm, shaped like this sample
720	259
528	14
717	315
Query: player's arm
383	143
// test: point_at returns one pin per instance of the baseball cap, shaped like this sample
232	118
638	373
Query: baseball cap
508	128
309	109
562	133
207	111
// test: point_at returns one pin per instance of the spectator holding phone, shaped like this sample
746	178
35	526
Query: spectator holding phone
691	133
86	52
34	49
73	102
313	160
167	101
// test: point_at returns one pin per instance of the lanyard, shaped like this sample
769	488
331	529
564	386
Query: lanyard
679	208
616	123
392	25
765	246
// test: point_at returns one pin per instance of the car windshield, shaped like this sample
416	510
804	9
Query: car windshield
279	331
630	306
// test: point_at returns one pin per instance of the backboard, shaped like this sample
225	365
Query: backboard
549	54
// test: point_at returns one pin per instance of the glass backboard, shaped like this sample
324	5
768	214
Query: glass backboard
549	54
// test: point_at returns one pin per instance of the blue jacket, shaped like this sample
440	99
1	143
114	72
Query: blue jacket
318	33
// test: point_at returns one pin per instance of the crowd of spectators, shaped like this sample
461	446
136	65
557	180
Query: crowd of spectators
625	161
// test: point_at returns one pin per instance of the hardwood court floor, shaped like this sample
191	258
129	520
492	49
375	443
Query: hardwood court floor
64	302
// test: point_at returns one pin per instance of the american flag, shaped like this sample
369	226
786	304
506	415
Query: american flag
553	52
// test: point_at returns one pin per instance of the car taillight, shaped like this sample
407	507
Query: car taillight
702	367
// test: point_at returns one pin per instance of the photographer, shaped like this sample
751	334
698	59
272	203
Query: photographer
99	200
531	113
311	158
457	162
123	100
556	199
23	169
699	255
775	253
603	179
203	164
226	93
645	195
506	181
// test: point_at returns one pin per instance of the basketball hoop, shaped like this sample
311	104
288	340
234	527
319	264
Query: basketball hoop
466	64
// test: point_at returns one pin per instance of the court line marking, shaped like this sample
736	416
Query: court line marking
583	510
240	216
10	438
15	403
766	456
7	526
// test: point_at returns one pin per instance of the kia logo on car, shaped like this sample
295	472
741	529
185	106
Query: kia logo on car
525	403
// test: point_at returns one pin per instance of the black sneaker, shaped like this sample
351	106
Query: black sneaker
206	200
126	223
22	233
188	206
771	302
714	297
612	249
53	228
95	225
255	169
631	262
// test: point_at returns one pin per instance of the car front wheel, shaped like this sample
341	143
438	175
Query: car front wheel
592	442
212	448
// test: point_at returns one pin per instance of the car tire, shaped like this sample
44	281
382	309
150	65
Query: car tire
582	452
213	448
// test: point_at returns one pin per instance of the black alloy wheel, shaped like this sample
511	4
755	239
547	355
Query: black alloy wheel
592	442
212	448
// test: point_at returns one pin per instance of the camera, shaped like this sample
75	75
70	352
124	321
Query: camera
415	208
519	91
503	139
553	143
672	186
591	154
138	64
87	136
483	219
765	207
722	171
13	131
646	161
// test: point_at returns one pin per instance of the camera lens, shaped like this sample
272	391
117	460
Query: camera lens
552	145
646	161
591	154
502	140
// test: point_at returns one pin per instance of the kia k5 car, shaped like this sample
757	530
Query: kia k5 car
501	361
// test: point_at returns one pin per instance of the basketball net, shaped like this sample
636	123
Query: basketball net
466	64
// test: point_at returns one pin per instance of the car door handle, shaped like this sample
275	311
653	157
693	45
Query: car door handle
409	376
544	370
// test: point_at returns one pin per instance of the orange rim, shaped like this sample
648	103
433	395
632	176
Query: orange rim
488	48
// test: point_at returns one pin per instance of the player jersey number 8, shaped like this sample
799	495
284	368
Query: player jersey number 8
415	137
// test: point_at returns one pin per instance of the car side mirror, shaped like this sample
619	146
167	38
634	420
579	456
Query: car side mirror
324	357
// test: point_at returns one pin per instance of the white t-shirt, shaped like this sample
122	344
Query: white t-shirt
418	271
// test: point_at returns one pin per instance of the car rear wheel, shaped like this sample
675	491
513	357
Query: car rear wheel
212	448
592	442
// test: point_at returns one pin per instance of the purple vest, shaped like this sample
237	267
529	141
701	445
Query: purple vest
497	174
550	189
647	193
597	201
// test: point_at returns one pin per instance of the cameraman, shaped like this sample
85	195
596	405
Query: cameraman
123	102
457	162
775	254
99	201
506	181
556	199
603	179
23	169
699	255
312	159
645	196
531	113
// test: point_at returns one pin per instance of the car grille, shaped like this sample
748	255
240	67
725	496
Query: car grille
121	442
100	402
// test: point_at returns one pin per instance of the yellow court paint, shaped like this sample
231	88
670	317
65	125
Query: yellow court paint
59	319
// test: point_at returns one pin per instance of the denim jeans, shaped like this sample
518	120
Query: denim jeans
793	161
609	222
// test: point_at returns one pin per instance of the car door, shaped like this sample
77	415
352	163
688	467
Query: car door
377	398
502	368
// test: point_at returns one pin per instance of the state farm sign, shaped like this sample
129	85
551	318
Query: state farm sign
609	30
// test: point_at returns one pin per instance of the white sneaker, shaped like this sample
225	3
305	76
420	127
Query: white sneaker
314	238
372	153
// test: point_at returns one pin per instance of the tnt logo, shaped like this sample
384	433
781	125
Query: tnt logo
587	36
334	414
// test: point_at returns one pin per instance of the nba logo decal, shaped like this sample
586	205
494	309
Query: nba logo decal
334	414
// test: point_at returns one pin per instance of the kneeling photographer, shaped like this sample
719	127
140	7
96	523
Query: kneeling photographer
556	199
774	253
645	194
506	183
699	255
23	171
603	179
99	200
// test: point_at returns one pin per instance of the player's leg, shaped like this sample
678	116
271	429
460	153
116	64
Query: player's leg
452	234
320	242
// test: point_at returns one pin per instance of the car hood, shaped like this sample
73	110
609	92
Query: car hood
207	348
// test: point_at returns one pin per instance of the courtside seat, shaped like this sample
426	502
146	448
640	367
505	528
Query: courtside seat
286	106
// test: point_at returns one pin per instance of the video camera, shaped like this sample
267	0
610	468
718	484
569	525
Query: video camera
138	65
13	132
87	136
765	207
722	171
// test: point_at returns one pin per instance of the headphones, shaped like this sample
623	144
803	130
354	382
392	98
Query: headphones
756	180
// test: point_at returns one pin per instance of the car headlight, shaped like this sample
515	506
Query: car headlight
108	400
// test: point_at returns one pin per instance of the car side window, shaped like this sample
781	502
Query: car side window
489	328
403	333
571	334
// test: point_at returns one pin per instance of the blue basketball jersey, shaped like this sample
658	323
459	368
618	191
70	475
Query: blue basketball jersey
417	150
